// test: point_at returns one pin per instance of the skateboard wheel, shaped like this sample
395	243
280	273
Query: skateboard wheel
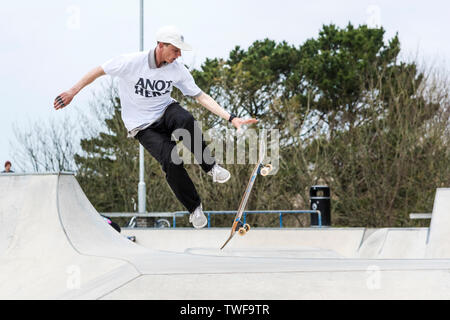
266	170
242	231
247	227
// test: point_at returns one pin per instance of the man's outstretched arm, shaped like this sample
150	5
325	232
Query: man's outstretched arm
209	103
63	99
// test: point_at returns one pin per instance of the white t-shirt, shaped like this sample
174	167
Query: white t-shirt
145	90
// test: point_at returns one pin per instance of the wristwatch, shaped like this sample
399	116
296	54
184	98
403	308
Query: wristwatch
232	116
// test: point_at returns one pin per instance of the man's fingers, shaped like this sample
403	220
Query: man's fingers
240	122
59	99
59	103
249	121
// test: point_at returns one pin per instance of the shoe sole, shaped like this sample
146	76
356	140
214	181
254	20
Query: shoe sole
201	226
224	180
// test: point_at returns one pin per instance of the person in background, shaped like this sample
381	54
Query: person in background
7	167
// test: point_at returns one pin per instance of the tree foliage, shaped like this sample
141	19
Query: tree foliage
351	115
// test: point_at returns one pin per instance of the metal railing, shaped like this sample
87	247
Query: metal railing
417	216
178	214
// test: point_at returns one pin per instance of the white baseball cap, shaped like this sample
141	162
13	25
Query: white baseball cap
171	34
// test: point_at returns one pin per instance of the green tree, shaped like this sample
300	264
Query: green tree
349	113
336	70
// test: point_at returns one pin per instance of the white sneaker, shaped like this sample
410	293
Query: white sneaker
219	174
198	218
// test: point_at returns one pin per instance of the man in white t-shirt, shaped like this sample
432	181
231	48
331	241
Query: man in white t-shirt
151	115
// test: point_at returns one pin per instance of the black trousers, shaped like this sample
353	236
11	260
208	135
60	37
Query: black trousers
157	140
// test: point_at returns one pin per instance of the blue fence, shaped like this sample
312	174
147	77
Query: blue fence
177	214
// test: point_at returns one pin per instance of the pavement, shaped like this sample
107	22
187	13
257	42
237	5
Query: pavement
55	245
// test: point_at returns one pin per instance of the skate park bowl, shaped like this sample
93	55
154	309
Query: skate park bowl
55	245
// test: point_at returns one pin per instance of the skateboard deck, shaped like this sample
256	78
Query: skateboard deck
264	170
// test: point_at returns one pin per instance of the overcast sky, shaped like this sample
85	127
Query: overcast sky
47	46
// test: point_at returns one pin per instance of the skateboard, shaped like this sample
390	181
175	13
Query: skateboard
264	170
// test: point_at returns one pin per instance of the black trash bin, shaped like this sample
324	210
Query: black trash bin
322	203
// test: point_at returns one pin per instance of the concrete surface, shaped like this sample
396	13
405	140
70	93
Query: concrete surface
54	245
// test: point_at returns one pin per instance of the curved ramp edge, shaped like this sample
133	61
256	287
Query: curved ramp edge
438	244
38	260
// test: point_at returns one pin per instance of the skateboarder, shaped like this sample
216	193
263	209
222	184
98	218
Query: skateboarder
146	80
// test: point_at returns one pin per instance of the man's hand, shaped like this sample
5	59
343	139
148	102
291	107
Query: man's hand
238	122
210	104
66	97
63	99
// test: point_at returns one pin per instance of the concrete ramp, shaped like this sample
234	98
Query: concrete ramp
438	245
394	243
37	259
54	245
336	242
